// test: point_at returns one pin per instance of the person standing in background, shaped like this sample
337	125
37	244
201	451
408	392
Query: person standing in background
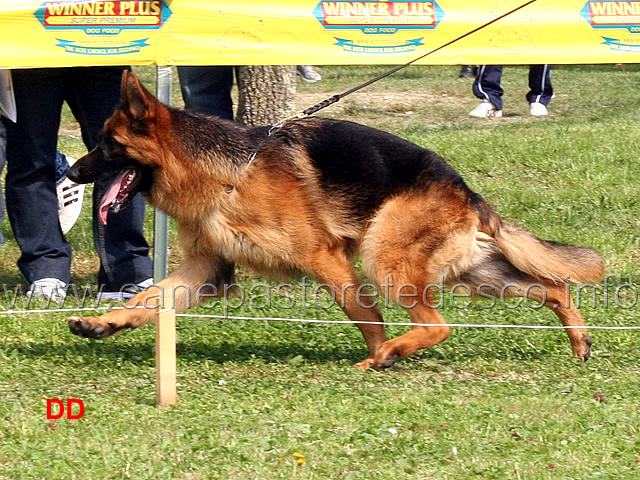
92	93
487	88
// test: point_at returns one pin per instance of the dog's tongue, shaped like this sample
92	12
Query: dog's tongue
111	194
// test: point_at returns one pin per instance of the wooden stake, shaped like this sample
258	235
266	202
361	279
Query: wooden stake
166	354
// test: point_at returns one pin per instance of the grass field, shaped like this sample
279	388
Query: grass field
276	400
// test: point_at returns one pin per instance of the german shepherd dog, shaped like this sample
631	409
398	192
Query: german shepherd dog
308	199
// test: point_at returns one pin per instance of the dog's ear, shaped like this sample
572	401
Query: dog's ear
137	102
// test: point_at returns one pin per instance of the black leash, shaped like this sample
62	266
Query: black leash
336	98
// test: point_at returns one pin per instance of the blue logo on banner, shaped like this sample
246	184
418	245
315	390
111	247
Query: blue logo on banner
131	47
620	47
350	46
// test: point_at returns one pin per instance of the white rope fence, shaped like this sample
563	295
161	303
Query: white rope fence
317	321
166	351
410	324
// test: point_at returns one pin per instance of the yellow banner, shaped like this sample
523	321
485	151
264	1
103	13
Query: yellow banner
249	32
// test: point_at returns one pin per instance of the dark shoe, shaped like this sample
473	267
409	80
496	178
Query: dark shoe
468	71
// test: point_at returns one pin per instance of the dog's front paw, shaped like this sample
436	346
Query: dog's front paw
93	327
365	364
585	353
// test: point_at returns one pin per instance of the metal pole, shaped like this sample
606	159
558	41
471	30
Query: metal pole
161	221
166	362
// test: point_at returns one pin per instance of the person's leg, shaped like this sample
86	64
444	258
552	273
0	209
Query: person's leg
541	90
32	203
124	253
3	156
207	90
487	85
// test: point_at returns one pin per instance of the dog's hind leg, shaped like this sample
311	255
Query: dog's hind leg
334	270
494	276
421	335
558	299
405	285
415	242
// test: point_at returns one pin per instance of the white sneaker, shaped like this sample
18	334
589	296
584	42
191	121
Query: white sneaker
538	109
70	196
127	292
485	110
308	73
48	289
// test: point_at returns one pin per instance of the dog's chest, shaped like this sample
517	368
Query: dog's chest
247	243
219	233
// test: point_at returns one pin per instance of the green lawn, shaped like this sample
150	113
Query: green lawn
485	404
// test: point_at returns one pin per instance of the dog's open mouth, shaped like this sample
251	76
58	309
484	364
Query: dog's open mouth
119	193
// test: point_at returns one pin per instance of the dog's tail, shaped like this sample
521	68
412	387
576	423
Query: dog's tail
558	262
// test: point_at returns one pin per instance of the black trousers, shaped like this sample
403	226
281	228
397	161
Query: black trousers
92	93
3	156
207	89
487	84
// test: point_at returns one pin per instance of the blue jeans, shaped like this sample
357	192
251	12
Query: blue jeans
62	165
92	93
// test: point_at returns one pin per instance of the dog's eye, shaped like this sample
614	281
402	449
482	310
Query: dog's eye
111	148
104	148
112	144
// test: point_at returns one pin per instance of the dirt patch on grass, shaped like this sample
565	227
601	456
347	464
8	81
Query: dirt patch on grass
390	110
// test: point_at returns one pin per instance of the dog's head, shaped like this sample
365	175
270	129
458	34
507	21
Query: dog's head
129	148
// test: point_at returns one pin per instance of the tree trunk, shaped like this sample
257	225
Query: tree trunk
266	93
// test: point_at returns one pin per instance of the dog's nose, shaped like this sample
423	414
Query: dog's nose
73	173
80	172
